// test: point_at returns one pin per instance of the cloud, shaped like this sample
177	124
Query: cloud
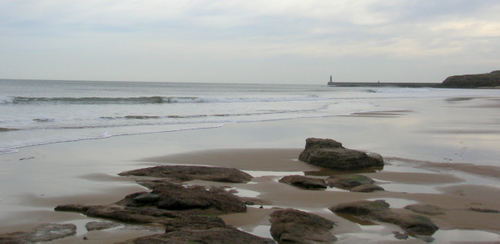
220	33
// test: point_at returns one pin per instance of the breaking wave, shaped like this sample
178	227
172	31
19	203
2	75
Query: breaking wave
145	100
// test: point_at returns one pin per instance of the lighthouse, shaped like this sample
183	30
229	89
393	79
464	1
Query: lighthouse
330	83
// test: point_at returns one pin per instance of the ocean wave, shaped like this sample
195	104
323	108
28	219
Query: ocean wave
147	100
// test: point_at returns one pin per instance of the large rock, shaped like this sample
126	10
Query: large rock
42	233
187	173
290	225
331	154
168	204
304	182
379	210
213	235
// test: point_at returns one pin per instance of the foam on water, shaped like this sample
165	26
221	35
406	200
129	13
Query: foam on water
42	112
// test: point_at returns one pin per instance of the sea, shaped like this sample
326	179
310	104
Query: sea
39	112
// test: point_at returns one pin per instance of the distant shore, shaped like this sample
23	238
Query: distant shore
384	84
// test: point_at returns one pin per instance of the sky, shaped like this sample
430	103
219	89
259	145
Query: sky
232	41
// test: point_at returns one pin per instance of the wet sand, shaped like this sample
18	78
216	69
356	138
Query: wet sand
425	164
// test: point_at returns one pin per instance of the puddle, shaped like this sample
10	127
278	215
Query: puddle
256	174
328	172
410	188
244	193
464	236
260	230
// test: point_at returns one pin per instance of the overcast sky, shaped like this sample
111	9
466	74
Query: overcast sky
256	41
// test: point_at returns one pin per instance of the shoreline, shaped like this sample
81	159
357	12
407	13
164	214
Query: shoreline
432	167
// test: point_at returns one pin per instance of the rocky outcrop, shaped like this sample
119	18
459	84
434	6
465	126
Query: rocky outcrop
304	182
168	204
473	81
290	225
328	153
42	233
213	235
187	173
379	211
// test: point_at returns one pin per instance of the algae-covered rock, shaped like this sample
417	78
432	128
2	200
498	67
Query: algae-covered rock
213	235
367	188
304	182
331	154
348	181
379	210
187	173
290	225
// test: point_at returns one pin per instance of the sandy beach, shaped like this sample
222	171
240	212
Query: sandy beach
439	152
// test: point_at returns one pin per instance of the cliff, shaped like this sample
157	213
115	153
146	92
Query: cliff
489	80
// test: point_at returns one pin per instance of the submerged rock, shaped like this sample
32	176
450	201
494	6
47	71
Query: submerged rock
187	173
348	181
42	233
290	225
213	235
331	154
304	182
367	188
379	210
100	225
425	209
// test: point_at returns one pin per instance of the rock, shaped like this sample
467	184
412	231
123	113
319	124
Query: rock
379	210
484	210
425	209
367	188
213	235
166	204
13	237
304	182
331	154
100	225
348	181
290	225
187	173
473	81
41	233
400	236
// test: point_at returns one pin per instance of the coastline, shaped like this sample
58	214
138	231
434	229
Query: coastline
86	171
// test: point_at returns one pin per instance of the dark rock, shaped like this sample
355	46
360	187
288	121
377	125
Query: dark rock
304	182
367	188
100	225
147	198
425	209
400	236
214	235
166	204
348	181
484	210
72	208
379	210
187	173
290	225
473	81
331	154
